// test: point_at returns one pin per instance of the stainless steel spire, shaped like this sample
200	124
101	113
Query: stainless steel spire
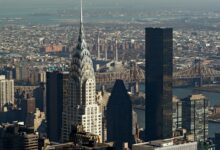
81	39
80	106
81	16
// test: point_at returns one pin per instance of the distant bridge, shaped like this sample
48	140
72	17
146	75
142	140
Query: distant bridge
196	73
129	75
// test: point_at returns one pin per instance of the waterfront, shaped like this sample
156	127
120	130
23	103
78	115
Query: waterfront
183	92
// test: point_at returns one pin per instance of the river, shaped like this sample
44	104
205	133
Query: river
183	92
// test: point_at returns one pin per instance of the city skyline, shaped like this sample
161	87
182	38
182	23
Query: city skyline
139	74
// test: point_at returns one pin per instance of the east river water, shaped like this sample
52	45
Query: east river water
184	92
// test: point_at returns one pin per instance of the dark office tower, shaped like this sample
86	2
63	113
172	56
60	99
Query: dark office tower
195	110
159	56
217	141
119	116
28	109
28	104
40	95
55	90
17	137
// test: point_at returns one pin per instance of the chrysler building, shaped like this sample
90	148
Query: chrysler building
80	107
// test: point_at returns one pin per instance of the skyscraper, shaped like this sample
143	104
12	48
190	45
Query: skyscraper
217	141
6	91
40	96
119	116
159	55
18	137
177	113
82	108
28	108
195	116
55	97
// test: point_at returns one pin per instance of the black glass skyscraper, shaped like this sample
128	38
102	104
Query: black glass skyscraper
159	56
119	116
56	89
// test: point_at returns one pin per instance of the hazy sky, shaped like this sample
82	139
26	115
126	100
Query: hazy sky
19	7
155	3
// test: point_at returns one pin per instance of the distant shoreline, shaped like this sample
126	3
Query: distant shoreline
212	88
214	121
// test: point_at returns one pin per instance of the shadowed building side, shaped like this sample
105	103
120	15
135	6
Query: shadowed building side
119	116
56	89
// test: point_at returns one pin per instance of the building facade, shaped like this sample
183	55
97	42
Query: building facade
119	116
82	108
177	114
17	137
195	116
217	141
159	62
55	96
6	91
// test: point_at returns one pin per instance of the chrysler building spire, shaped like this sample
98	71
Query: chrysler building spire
81	14
80	106
81	39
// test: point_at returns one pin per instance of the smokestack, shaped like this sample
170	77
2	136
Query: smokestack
106	52
116	50
98	48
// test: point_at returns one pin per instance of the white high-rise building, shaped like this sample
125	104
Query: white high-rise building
81	107
6	91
